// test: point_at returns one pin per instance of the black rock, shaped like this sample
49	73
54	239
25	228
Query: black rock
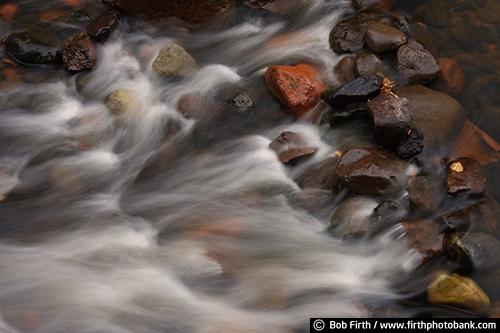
358	90
27	50
100	28
416	63
412	145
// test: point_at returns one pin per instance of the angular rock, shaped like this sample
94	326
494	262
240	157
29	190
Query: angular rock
192	11
27	50
298	87
358	90
348	36
412	145
425	237
425	193
100	28
321	175
121	101
437	115
391	118
451	79
351	218
368	63
173	61
382	38
457	290
291	147
416	63
464	175
476	250
79	53
372	171
344	70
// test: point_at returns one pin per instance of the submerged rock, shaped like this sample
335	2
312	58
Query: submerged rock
416	63
457	290
451	78
425	193
474	249
372	171
424	236
321	175
173	60
381	38
297	87
79	53
290	147
27	50
100	28
358	90
464	175
351	219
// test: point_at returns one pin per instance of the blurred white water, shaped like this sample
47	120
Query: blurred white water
212	243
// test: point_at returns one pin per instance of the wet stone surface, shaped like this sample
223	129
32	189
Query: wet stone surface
358	90
291	147
464	175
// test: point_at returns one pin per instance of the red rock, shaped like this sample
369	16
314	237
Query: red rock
451	79
424	236
298	87
475	143
79	52
464	175
290	147
8	11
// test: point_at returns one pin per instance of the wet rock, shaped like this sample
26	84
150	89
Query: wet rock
457	290
121	101
373	4
351	219
437	115
26	49
297	87
358	90
391	118
256	3
464	175
424	237
242	102
372	171
388	212
79	53
348	36
291	147
425	193
191	11
451	78
381	38
100	28
344	70
412	145
416	63
474	249
368	63
481	216
321	175
401	23
173	61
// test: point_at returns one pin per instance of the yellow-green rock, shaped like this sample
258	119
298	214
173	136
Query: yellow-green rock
457	290
172	61
121	100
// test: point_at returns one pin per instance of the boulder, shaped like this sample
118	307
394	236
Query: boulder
291	147
416	63
26	49
368	63
79	53
437	115
101	27
474	249
372	171
191	11
456	290
351	219
464	175
425	237
320	175
298	87
173	61
382	38
358	90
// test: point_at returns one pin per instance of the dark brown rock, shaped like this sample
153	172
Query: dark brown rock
425	193
358	90
79	53
256	3
474	249
391	118
424	236
373	4
291	147
26	49
344	70
192	11
100	28
381	38
321	175
372	171
368	63
412	145
416	63
464	175
481	216
348	36
451	79
351	219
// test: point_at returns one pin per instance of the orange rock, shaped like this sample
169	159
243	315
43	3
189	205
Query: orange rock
474	143
11	75
298	87
51	15
8	11
451	79
72	3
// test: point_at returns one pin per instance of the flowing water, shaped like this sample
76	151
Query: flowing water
150	222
